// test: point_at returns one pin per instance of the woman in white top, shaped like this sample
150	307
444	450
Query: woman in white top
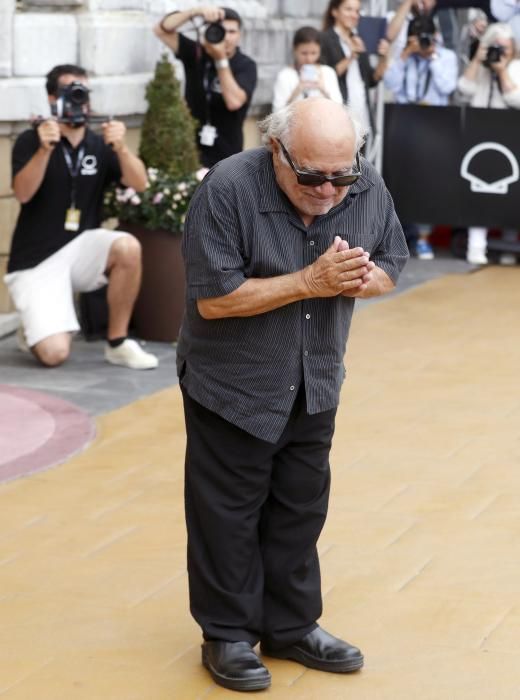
491	79
306	78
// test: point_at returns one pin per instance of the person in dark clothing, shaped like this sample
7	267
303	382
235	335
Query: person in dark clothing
344	50
220	79
60	171
279	242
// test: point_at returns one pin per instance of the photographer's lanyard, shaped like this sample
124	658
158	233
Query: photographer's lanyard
206	81
73	215
421	76
208	133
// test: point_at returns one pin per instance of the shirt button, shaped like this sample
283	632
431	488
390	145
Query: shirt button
291	388
311	242
306	352
307	316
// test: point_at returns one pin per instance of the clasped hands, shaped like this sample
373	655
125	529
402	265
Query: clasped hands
340	270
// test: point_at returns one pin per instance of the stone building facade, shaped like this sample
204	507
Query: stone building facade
113	40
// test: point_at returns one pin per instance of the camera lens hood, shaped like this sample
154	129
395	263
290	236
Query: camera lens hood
215	33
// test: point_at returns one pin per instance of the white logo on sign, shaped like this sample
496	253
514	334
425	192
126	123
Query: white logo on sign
499	186
89	165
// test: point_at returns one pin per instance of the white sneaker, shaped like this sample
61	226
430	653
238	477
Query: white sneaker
477	257
508	259
21	340
130	354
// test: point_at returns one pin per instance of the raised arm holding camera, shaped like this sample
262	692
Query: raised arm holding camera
220	79
60	171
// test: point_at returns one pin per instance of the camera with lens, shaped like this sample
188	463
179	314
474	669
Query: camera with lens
423	28
69	106
494	54
425	40
215	33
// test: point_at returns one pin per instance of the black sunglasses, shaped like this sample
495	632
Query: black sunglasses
315	179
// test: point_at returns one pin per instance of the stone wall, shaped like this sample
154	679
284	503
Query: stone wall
113	40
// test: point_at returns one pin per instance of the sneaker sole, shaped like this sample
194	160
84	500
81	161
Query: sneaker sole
243	684
301	657
127	365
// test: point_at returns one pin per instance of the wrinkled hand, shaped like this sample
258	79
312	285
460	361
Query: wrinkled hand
365	279
114	134
49	134
340	270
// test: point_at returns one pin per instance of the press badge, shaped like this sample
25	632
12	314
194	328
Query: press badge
72	219
208	135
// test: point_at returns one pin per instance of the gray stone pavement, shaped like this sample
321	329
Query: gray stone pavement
89	382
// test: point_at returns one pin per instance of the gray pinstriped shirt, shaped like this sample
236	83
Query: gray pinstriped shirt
241	225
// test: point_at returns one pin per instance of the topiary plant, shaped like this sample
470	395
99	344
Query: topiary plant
168	140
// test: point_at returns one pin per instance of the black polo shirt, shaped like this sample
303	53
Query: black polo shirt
204	97
241	225
40	229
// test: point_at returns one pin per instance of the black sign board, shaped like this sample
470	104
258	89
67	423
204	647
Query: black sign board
453	165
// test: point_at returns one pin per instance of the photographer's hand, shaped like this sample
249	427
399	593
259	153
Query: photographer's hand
215	51
114	134
210	13
412	46
27	181
133	171
49	134
166	29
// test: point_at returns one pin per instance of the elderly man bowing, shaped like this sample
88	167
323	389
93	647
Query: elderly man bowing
279	242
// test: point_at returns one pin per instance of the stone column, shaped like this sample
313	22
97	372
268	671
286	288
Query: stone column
6	34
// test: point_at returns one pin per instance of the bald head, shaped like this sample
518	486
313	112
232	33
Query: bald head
323	122
316	118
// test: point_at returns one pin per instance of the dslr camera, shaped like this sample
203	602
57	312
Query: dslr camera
494	54
423	28
215	33
69	107
425	40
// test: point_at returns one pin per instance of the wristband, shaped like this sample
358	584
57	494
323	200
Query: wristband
161	23
222	63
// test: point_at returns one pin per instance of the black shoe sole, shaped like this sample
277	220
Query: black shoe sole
292	654
241	684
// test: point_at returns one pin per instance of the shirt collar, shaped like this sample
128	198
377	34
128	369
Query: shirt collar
272	198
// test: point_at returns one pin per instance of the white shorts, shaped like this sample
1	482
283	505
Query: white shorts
44	295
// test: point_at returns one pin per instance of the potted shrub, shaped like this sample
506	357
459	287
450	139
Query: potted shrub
156	216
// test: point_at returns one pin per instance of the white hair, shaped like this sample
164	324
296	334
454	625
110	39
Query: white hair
497	30
278	126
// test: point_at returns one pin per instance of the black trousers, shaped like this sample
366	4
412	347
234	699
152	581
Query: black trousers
254	512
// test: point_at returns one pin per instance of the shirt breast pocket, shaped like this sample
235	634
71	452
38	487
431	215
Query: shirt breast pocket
361	238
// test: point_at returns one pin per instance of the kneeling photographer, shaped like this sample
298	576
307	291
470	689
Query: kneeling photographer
60	171
220	79
492	80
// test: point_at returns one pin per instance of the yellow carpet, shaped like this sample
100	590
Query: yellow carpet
420	555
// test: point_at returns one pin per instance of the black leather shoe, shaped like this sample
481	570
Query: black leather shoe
322	651
235	665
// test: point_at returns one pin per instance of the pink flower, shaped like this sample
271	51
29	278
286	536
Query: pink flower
128	193
158	198
135	200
